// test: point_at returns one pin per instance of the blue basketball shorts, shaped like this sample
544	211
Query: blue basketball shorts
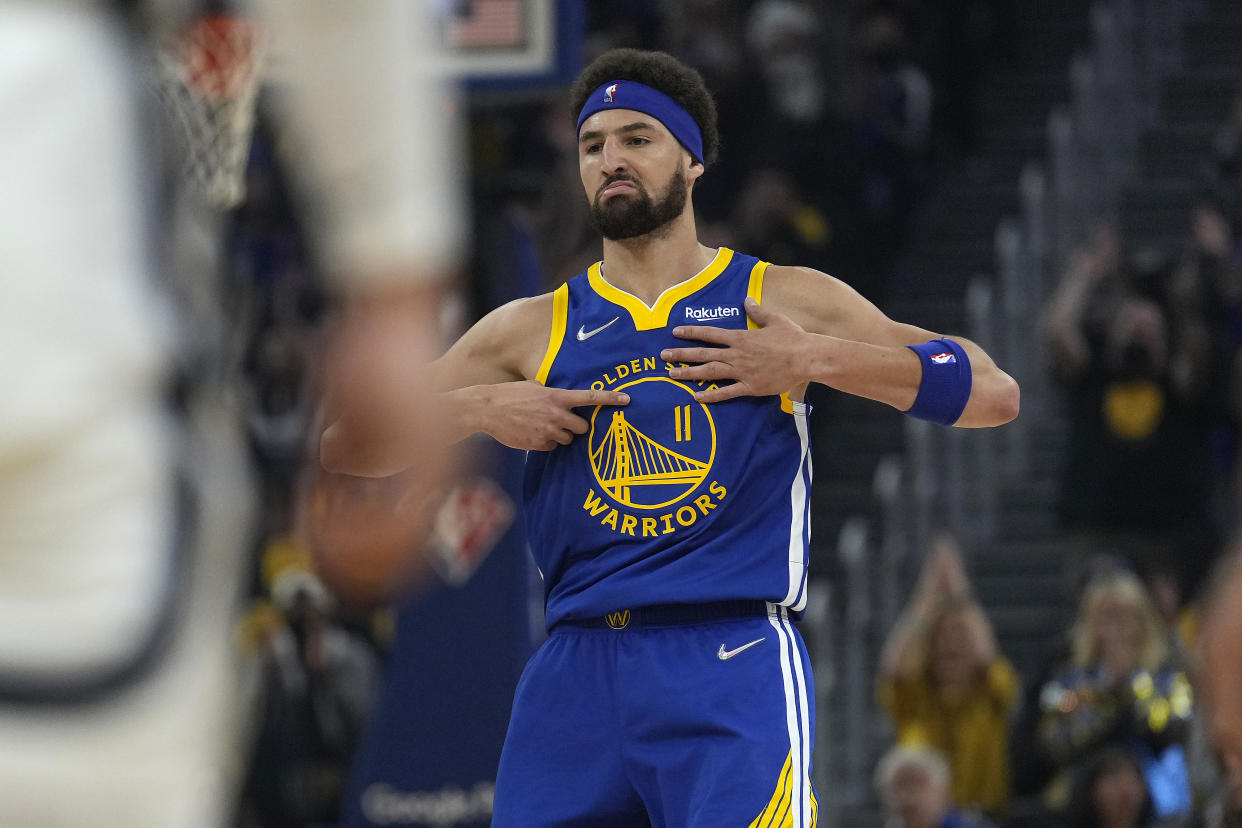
702	725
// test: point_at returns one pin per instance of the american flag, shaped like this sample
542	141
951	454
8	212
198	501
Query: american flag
495	24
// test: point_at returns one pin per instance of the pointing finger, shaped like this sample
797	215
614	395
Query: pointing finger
571	398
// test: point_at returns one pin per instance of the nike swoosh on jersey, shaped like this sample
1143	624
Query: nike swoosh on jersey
584	335
725	655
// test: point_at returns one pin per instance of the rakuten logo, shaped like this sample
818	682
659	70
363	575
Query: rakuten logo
718	312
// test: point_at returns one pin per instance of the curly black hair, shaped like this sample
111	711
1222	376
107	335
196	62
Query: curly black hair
661	71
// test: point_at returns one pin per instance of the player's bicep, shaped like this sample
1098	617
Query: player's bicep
470	361
823	304
891	333
504	346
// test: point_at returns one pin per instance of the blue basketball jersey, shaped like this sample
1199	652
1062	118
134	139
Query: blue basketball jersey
665	500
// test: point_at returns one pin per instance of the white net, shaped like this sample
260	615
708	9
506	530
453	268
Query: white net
208	78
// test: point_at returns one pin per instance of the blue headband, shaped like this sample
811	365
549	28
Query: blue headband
634	95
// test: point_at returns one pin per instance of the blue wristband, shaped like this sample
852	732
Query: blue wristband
946	382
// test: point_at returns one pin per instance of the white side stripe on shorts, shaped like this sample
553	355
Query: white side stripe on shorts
804	715
796	719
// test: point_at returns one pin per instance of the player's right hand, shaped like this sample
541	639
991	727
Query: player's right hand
528	415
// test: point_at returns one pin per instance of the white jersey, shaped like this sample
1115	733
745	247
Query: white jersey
89	524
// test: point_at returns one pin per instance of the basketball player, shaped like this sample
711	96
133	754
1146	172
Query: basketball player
123	527
660	395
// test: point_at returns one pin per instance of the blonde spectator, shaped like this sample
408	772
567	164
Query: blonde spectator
1121	688
945	684
913	785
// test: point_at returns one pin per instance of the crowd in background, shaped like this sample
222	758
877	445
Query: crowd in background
1144	339
1108	737
836	118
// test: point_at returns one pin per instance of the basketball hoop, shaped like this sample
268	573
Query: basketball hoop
208	78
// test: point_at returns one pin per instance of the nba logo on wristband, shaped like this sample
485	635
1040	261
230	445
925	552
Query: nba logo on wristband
945	386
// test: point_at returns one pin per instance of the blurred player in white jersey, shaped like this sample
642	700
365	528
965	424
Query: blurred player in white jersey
122	526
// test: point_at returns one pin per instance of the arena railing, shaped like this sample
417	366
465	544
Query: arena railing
852	732
893	557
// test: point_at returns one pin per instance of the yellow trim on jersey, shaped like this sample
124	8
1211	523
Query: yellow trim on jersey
755	291
560	314
648	318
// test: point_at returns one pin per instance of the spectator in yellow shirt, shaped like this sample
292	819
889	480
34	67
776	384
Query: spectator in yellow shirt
946	686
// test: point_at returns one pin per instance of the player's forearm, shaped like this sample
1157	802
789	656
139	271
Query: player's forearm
876	372
468	411
894	374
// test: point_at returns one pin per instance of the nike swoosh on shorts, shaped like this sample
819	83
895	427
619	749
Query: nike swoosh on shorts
725	655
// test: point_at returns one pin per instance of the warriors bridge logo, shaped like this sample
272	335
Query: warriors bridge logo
652	456
644	463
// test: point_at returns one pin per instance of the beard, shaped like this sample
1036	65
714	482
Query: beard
629	216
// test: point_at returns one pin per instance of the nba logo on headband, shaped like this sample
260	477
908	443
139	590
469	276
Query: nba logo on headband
642	98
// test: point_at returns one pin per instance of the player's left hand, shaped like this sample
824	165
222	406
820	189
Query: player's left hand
765	361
